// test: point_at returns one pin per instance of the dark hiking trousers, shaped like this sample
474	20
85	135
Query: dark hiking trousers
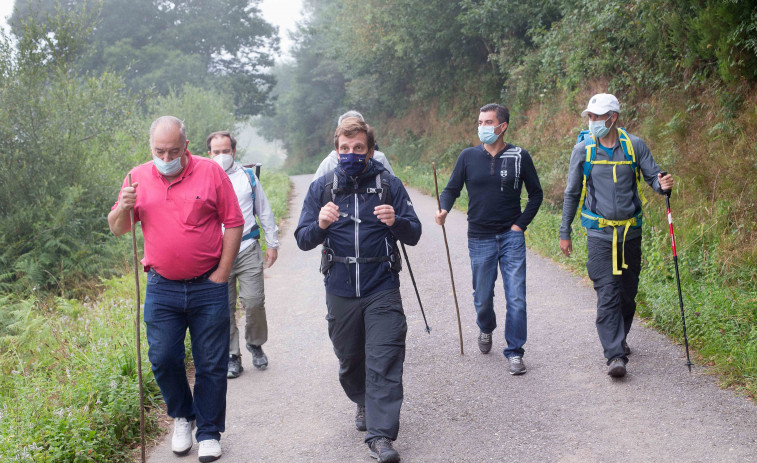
616	294
368	334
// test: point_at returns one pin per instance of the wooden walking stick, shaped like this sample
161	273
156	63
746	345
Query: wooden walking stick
139	338
449	263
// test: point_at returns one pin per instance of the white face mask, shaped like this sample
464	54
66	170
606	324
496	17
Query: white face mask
167	168
224	160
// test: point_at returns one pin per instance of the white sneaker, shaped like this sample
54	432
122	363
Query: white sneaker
181	443
210	450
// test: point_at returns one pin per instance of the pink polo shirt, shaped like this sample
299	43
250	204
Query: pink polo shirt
181	221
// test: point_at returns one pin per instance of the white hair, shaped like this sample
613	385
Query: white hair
172	120
350	113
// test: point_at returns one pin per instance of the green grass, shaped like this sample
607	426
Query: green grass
69	379
721	317
68	376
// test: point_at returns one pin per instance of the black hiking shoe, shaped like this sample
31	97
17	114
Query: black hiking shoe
626	349
235	366
517	367
360	418
259	359
484	342
617	368
381	449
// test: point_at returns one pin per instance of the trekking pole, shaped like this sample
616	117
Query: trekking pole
449	262
139	338
409	269
678	278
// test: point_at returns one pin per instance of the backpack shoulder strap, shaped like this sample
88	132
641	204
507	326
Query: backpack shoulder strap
251	178
329	188
382	181
625	143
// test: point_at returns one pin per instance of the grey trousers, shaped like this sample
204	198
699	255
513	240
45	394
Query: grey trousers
616	294
368	335
248	272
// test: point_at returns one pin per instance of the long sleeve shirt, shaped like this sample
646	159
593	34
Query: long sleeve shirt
494	185
261	207
613	196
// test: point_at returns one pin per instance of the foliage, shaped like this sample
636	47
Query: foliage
68	383
212	44
203	112
61	148
381	58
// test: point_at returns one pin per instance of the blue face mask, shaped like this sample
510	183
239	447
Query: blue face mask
352	164
486	134
167	168
598	128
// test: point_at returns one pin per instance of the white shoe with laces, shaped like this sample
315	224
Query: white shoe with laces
181	443
210	450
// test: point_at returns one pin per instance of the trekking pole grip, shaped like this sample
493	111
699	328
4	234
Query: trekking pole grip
665	192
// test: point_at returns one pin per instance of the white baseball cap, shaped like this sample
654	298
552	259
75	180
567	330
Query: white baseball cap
602	103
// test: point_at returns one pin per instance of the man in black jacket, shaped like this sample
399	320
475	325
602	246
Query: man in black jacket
494	173
358	214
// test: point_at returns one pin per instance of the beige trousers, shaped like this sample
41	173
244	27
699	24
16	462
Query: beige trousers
248	273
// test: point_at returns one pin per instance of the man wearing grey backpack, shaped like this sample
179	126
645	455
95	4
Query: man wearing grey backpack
607	166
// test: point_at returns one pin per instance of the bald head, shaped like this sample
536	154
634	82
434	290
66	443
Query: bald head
168	124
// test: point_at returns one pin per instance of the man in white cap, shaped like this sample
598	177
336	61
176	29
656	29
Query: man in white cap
331	161
607	166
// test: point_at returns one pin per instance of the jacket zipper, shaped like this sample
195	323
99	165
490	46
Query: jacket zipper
357	248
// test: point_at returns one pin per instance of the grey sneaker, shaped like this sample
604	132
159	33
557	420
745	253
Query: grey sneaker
259	359
617	368
235	366
517	367
360	418
484	342
381	449
626	349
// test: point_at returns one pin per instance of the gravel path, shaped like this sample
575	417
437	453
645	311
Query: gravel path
468	408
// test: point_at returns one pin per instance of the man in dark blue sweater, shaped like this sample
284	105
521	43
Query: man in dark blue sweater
494	174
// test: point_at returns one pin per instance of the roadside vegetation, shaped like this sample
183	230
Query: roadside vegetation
74	122
685	74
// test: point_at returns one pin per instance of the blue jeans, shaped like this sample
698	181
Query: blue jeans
509	251
202	306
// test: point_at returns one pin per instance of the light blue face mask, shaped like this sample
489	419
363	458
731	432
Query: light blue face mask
167	168
598	128
486	134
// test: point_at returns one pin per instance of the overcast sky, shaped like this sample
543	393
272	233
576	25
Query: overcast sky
282	13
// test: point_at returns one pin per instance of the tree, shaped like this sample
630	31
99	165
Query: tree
159	45
203	112
65	141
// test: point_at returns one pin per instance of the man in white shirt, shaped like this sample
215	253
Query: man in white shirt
248	266
328	164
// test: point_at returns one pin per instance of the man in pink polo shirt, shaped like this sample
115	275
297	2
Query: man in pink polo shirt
182	201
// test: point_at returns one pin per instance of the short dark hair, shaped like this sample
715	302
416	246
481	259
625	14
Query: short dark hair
351	126
222	134
503	114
